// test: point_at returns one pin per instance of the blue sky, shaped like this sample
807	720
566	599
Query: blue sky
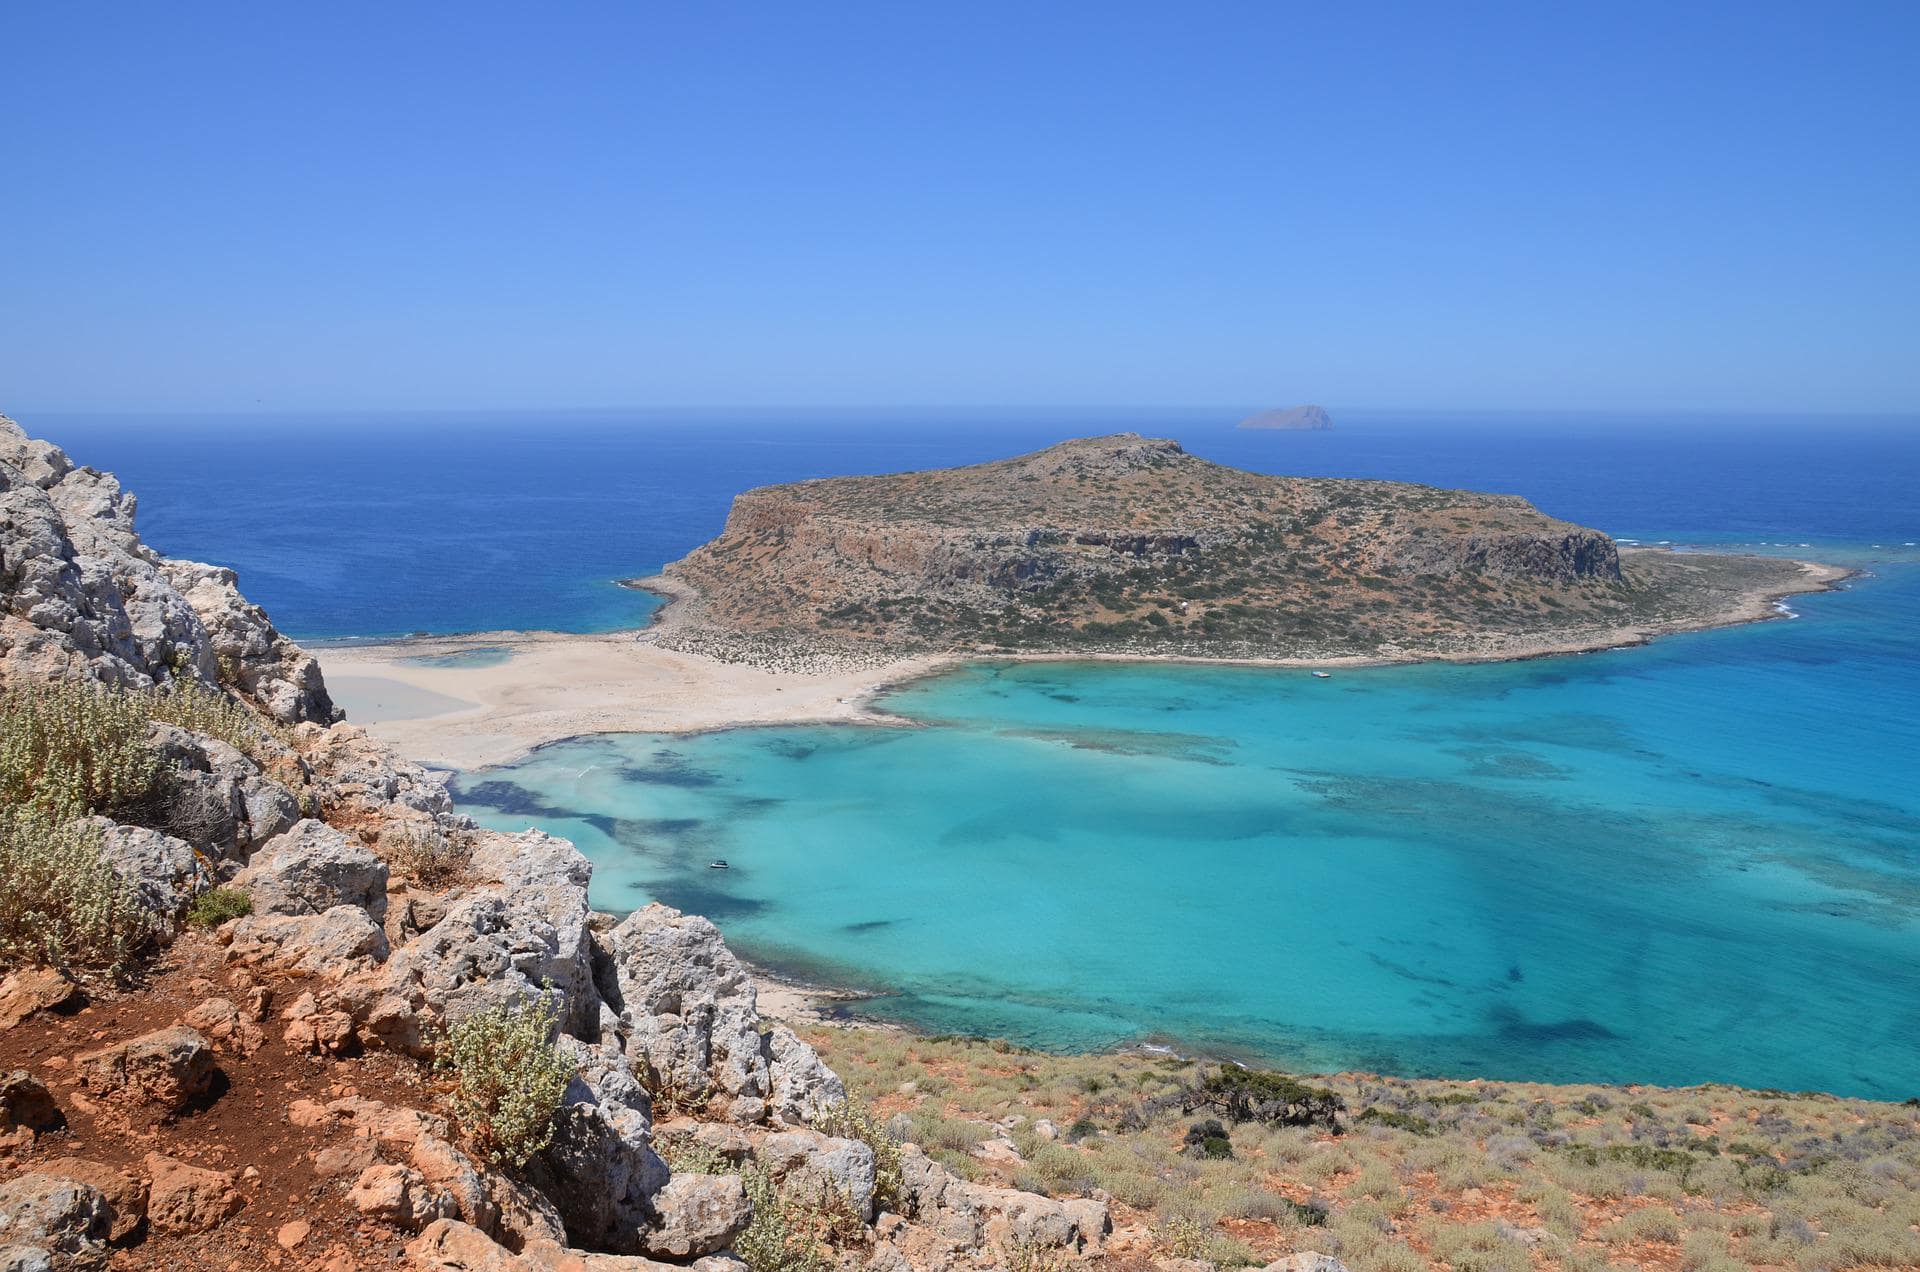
1606	206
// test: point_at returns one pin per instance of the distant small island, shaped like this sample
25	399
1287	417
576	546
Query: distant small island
1298	419
1129	546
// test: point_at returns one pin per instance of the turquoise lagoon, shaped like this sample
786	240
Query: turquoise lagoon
1696	861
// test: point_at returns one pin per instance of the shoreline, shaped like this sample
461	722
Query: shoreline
417	694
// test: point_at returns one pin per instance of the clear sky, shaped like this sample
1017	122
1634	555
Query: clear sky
1450	205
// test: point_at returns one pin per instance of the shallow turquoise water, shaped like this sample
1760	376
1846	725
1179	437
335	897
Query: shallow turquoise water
1691	862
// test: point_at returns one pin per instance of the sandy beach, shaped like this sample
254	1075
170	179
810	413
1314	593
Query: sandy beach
553	686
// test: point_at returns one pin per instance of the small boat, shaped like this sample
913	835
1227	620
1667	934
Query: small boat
717	864
1323	675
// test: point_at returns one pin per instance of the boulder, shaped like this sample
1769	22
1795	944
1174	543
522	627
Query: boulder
521	934
126	1195
451	1246
186	1199
52	1222
601	1170
399	1195
1306	1261
332	945
311	869
225	1026
32	990
26	1102
696	1215
168	1068
808	1162
165	872
694	1025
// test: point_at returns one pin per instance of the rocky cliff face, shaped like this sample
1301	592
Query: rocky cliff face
1130	544
83	595
354	957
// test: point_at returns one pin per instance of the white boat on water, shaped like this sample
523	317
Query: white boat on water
1323	675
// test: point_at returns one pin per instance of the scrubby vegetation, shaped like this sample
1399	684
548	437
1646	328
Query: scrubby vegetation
855	1120
781	1237
1424	1174
74	748
508	1078
217	905
61	903
69	749
427	853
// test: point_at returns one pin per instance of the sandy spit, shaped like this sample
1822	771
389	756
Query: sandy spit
558	685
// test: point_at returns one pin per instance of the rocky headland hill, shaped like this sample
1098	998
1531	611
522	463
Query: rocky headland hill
1296	419
1130	545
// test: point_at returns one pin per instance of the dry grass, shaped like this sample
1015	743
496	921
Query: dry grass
1456	1175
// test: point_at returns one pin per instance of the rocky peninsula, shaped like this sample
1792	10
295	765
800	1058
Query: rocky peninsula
1130	546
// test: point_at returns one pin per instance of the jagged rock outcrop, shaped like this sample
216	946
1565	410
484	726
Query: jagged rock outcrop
83	595
694	1025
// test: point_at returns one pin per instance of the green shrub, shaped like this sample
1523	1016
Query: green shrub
61	903
1257	1095
1399	1121
216	905
779	1239
508	1078
1208	1140
74	747
855	1121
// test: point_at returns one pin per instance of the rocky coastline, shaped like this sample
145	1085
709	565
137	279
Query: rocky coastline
376	918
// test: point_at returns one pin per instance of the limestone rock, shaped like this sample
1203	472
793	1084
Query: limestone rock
187	1198
165	872
52	1222
1306	1261
808	1162
84	597
696	1215
168	1068
399	1195
225	1026
332	945
451	1246
694	1024
312	868
519	935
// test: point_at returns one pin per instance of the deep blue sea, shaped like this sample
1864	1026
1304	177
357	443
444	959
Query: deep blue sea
1697	861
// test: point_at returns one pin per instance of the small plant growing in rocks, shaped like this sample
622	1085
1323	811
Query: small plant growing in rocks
216	905
508	1079
779	1239
855	1121
430	856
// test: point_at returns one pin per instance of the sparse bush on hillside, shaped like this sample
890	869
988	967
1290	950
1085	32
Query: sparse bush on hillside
508	1079
61	904
1257	1095
74	747
189	705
